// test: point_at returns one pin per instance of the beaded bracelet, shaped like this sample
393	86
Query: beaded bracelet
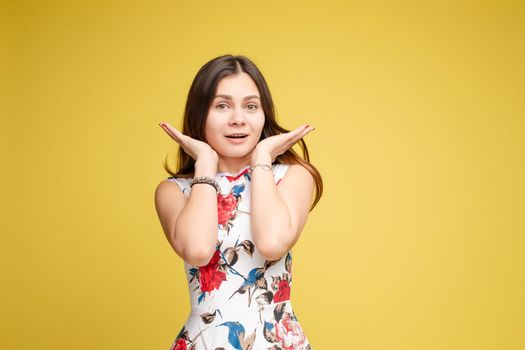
205	180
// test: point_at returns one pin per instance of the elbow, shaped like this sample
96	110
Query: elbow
194	252
272	251
198	257
274	246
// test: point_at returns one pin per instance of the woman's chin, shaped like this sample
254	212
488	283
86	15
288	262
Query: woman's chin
236	152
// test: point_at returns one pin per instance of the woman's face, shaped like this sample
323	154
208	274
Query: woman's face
236	108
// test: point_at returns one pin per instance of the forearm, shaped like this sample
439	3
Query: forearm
270	217
196	226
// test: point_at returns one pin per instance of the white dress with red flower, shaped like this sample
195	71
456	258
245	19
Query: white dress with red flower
239	300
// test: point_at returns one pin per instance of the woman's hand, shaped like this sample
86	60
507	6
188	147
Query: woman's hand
276	145
194	148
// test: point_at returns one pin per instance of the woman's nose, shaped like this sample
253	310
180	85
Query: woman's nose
237	116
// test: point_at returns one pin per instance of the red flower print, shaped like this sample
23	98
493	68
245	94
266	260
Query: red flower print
283	293
289	332
180	344
210	276
225	206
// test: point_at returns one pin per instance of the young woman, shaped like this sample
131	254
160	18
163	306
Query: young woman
234	209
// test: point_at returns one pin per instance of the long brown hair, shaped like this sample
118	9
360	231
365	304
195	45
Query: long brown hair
200	97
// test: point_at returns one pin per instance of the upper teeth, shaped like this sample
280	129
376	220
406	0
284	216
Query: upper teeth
236	135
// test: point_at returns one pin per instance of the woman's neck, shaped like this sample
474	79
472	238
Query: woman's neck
233	165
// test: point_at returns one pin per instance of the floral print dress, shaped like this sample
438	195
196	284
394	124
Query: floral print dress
239	300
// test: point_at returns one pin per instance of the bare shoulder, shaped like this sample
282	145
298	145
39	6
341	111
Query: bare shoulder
297	183
298	174
169	189
296	189
169	202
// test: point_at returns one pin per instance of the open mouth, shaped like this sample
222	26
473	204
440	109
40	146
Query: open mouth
237	136
236	139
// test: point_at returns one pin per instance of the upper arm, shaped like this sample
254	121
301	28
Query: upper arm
296	189
169	202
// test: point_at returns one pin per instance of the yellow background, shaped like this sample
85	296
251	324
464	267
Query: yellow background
418	107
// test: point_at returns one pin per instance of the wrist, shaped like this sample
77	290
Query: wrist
205	167
261	158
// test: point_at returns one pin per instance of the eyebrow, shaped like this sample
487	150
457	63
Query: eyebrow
229	97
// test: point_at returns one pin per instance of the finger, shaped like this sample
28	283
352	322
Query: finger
171	131
306	129
297	133
300	131
170	128
303	131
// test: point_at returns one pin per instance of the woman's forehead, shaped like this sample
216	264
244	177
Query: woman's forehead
239	86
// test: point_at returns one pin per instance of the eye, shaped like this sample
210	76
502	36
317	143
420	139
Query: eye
221	104
254	107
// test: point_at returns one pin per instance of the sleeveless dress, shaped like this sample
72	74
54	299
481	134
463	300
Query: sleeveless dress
239	300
